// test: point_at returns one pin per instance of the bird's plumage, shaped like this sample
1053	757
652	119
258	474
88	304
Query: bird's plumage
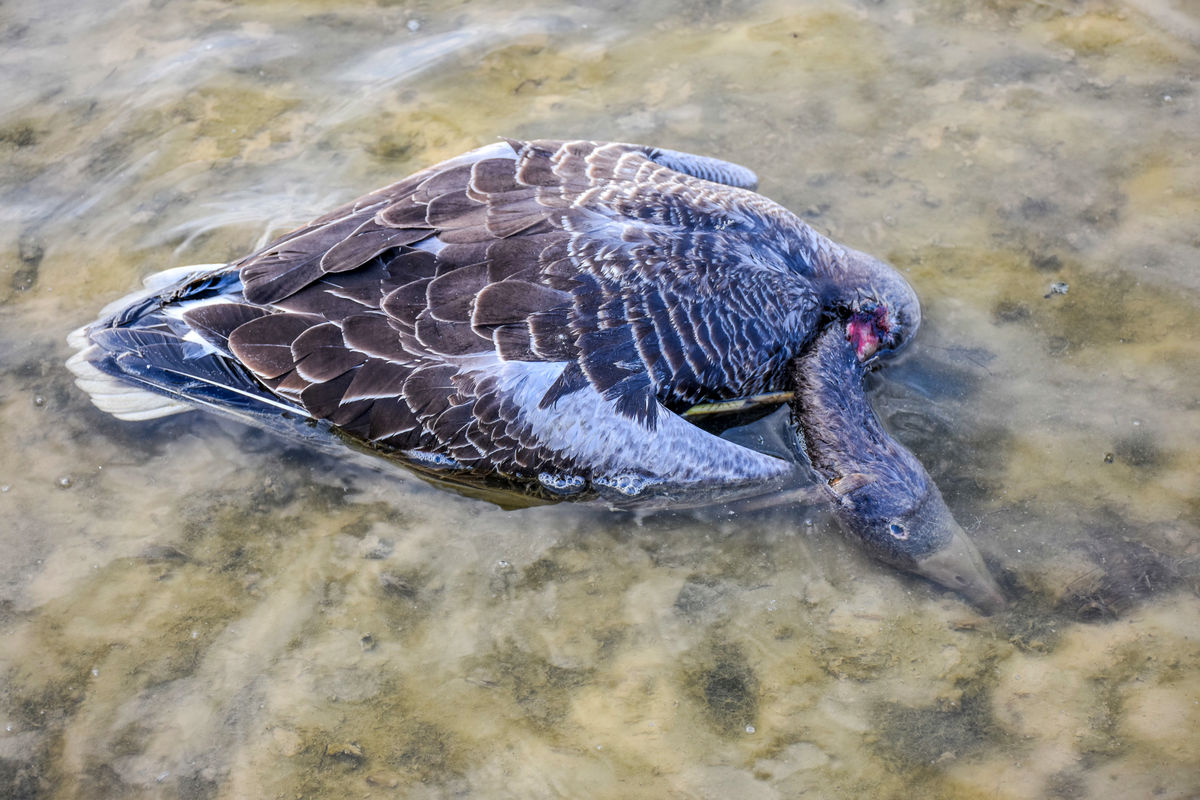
534	316
538	311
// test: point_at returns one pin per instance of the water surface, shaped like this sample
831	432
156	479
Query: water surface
191	609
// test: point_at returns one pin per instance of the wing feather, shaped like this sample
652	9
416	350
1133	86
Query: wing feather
624	268
320	353
264	344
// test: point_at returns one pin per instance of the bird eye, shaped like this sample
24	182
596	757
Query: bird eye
898	531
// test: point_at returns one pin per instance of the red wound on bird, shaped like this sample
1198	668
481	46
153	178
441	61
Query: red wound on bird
867	328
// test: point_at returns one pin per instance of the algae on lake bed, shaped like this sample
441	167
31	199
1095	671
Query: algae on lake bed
189	609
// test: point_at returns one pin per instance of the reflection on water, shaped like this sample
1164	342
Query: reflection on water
192	610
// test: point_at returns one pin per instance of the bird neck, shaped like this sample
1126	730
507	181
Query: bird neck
845	441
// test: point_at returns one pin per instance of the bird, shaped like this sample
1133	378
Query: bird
544	318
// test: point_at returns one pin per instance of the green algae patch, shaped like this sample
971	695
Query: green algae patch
922	736
540	690
723	685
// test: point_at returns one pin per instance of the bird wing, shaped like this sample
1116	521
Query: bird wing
470	309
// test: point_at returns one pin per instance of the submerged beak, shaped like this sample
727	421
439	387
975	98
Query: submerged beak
958	566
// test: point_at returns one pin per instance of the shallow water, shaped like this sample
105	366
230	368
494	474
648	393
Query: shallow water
190	609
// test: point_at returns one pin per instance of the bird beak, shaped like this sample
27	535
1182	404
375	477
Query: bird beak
957	565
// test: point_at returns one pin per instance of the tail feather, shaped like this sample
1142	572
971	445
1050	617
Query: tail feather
140	361
122	399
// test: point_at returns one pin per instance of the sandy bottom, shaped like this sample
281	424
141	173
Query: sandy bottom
190	609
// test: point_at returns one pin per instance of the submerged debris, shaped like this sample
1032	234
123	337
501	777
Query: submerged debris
1058	287
1118	574
345	751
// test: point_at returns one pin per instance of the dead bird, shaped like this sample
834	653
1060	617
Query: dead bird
536	318
881	493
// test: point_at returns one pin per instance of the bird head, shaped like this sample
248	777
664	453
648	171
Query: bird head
900	518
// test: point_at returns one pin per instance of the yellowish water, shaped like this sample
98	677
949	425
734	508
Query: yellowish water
189	609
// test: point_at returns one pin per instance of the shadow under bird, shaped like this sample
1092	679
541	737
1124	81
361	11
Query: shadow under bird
548	321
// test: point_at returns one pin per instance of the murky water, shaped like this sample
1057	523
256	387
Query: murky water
189	609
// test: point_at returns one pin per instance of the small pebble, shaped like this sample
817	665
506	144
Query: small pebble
1108	458
384	780
38	400
345	750
65	482
750	729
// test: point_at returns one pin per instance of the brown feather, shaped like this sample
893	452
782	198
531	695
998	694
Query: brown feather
536	170
273	277
516	215
602	163
469	234
428	389
323	399
353	416
454	179
371	334
507	257
321	353
356	297
409	265
455	210
453	256
265	344
571	162
391	417
376	379
290	384
449	338
514	343
364	244
404	214
494	176
450	296
407	302
551	335
216	321
319	299
514	301
282	270
451	426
